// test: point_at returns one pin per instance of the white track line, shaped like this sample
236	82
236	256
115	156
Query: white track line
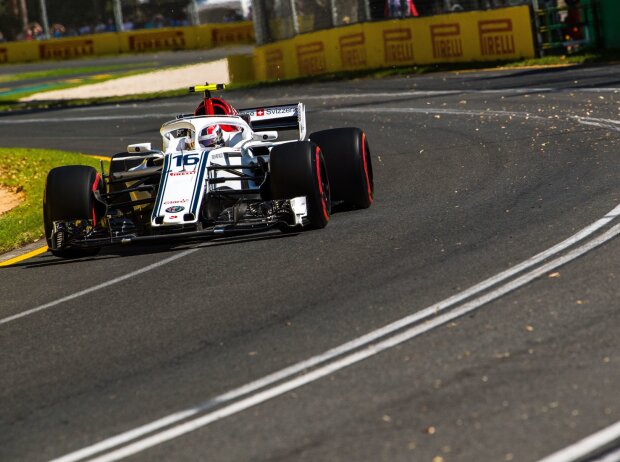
127	436
354	344
594	119
603	123
415	110
610	124
325	96
613	456
336	365
355	110
470	112
415	93
83	119
346	347
103	285
587	446
370	94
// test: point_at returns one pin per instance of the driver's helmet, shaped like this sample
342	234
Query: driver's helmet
212	137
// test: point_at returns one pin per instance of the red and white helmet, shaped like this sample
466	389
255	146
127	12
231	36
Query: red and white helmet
212	136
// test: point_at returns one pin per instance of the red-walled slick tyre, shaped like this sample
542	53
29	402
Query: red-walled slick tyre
69	196
298	169
347	157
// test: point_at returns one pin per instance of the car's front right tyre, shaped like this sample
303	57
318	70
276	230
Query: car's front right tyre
347	156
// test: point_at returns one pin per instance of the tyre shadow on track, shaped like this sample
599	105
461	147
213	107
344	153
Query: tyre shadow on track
119	251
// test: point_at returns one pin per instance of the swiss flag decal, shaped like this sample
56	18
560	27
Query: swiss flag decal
260	112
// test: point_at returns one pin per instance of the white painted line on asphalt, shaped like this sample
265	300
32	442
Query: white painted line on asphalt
344	348
369	95
588	446
594	90
472	112
125	437
413	93
112	442
399	94
439	111
594	119
83	119
182	105
610	124
103	285
425	110
613	456
327	96
334	366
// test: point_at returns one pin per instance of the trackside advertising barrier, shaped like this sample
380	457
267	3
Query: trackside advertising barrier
500	34
140	41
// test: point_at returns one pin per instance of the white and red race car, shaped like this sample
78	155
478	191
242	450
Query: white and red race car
220	171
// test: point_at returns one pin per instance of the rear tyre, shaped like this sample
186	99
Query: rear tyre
69	196
298	169
347	158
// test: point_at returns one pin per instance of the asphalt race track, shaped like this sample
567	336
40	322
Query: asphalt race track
169	353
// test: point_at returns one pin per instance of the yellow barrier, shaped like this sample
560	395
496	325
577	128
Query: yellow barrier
148	40
500	34
241	68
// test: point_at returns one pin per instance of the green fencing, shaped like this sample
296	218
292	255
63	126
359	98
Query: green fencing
572	27
610	23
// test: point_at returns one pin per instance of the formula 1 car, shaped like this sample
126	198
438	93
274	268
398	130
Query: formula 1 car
221	171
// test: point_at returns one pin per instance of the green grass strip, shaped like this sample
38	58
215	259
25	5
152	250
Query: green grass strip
25	171
68	72
13	95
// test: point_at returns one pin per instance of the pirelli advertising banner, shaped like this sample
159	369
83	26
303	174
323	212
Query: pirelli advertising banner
459	37
186	38
141	41
69	48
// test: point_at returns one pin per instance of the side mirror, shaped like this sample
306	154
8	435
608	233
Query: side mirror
265	136
140	147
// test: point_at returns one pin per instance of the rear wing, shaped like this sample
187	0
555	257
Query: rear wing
284	117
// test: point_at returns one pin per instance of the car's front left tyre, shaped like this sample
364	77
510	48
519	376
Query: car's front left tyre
298	169
70	196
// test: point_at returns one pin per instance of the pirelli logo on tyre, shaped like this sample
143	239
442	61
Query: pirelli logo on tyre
311	58
397	46
446	39
353	50
496	37
274	61
66	49
156	41
4	55
222	36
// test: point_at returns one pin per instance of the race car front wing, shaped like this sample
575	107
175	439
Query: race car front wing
242	218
